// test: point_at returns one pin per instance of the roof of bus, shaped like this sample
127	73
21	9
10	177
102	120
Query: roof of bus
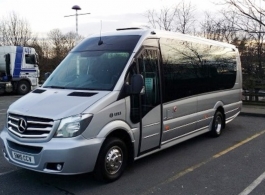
153	33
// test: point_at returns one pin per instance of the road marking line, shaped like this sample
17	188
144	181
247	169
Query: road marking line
253	185
192	168
213	157
5	173
239	144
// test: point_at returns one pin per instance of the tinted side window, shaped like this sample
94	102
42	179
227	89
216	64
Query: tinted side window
192	68
135	99
147	65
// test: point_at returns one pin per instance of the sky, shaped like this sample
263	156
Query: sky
46	15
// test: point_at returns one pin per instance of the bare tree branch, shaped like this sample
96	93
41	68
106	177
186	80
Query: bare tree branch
14	30
178	18
249	9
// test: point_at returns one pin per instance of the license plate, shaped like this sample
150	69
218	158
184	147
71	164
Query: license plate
23	157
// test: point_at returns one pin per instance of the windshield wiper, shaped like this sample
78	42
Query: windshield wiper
54	87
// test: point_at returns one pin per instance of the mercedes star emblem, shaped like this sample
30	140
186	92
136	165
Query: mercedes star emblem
22	125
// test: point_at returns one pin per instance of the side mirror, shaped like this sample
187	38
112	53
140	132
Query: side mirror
137	84
46	75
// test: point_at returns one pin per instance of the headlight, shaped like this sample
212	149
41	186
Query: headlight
73	126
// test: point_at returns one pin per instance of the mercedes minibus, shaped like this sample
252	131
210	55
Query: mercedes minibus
120	96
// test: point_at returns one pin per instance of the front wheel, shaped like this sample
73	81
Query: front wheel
112	160
217	124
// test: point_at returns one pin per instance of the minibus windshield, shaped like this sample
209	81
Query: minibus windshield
94	64
89	70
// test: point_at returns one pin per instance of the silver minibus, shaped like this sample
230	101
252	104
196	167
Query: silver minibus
120	96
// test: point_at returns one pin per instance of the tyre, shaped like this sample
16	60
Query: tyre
112	160
217	124
23	87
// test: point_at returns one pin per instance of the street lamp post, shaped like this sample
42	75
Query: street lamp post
76	8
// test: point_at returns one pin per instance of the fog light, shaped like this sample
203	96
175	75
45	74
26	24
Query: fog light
59	167
55	166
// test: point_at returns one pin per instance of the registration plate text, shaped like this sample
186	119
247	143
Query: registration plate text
23	157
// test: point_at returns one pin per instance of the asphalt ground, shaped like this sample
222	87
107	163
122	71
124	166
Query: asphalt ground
232	164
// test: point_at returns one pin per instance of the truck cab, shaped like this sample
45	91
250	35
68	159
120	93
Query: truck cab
19	71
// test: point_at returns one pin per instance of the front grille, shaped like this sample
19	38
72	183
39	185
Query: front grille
29	127
24	148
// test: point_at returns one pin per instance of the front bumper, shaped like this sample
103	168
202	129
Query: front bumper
75	155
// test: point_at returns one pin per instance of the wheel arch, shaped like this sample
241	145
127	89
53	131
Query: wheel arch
121	130
219	106
16	82
124	136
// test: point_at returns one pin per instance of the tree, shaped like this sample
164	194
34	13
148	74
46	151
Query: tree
70	40
185	18
251	9
251	15
162	20
221	27
61	44
211	27
57	40
43	50
14	31
179	18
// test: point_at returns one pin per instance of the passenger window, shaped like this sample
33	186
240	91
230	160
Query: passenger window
191	68
148	66
135	99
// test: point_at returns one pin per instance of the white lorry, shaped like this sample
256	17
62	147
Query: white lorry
19	71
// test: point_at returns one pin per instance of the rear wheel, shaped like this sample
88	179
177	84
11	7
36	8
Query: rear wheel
217	124
23	87
112	160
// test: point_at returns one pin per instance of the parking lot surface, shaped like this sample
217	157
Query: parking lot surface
233	164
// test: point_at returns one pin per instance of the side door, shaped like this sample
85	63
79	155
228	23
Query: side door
149	102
